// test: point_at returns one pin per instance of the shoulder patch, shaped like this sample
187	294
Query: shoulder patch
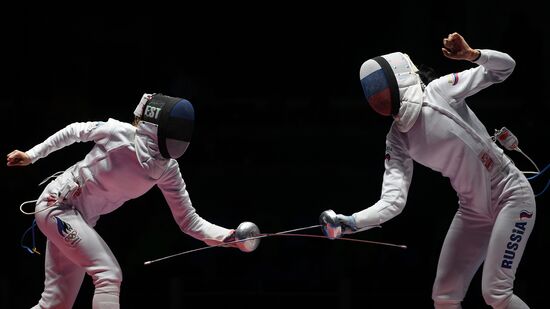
452	79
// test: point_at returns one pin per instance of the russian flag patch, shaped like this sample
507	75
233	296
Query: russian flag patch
453	79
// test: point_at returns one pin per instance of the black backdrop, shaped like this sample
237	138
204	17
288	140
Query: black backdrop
282	133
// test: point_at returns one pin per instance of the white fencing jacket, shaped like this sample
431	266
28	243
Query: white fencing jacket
124	164
448	138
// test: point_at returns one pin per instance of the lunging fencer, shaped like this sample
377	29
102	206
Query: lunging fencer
126	161
434	126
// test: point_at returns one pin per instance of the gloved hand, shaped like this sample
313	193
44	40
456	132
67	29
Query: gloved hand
334	225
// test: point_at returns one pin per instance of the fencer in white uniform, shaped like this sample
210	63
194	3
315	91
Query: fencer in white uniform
434	126
126	161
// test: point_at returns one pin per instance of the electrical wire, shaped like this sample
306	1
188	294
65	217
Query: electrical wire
538	175
31	229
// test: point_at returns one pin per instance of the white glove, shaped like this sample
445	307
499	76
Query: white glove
334	225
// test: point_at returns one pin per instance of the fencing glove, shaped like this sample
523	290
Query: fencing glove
334	225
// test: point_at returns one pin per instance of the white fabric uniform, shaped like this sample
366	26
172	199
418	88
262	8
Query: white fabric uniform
496	211
124	164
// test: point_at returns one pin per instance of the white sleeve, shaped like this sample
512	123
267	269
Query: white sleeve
498	64
494	67
395	185
174	190
75	132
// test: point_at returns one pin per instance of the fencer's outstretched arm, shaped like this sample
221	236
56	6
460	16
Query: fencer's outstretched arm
174	190
395	186
75	132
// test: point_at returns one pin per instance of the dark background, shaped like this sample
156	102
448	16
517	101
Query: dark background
282	133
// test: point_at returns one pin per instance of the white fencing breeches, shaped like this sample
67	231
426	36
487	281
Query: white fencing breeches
496	239
73	249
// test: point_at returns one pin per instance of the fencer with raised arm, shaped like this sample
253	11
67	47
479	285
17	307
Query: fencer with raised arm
434	126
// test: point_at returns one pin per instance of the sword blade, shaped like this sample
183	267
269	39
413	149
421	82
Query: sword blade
231	242
345	239
283	233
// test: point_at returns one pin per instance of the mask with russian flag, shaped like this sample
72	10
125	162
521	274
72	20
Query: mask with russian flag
393	87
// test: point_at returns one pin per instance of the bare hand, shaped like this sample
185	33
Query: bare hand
455	47
18	158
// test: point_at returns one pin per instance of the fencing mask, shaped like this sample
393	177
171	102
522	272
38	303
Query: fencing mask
174	118
393	87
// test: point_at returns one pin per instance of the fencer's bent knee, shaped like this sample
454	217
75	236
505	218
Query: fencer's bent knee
496	297
108	280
